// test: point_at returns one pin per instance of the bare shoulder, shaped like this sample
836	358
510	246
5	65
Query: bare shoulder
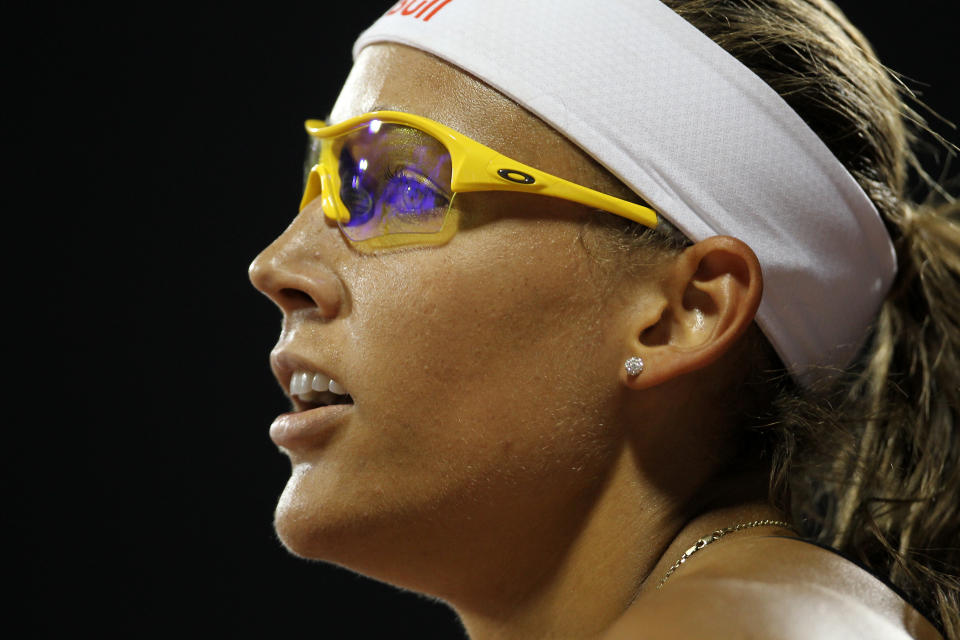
772	588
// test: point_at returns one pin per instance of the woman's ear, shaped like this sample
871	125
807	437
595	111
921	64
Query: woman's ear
711	294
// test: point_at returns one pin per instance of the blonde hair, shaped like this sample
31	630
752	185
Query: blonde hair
868	462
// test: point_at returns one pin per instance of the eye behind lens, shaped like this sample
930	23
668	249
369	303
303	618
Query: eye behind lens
358	201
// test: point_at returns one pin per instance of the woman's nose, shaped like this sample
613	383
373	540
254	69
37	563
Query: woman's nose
292	273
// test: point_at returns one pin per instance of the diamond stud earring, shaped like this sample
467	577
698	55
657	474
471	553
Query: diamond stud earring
634	366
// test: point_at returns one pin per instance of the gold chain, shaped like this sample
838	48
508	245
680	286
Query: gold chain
716	535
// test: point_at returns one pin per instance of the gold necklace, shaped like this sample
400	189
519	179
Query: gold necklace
716	535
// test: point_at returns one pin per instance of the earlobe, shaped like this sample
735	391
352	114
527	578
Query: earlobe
712	295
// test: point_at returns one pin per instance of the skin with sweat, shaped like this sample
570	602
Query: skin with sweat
497	455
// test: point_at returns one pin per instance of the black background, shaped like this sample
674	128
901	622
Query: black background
150	153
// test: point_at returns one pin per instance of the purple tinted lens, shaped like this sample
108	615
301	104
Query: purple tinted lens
393	179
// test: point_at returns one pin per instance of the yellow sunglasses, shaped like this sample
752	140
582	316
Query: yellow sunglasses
389	179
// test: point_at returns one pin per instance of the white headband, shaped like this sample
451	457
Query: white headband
695	133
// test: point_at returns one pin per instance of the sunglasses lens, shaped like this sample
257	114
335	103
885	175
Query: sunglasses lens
393	179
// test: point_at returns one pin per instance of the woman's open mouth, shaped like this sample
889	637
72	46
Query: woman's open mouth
318	402
310	390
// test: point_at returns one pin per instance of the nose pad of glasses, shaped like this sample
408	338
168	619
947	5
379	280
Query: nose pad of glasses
320	184
313	187
329	199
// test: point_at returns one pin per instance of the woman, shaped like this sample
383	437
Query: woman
538	406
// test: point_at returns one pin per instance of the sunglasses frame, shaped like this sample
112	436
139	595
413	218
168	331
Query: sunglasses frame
474	167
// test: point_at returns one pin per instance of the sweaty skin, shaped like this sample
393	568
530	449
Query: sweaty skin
497	456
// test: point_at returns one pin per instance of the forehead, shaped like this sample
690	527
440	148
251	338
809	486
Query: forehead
392	76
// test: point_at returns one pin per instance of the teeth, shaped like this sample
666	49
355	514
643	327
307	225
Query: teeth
299	382
313	386
320	382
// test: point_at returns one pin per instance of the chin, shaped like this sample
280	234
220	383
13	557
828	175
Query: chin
316	521
351	541
305	525
295	534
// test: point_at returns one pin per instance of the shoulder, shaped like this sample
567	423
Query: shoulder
772	588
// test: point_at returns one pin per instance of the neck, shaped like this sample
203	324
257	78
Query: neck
584	585
608	557
625	544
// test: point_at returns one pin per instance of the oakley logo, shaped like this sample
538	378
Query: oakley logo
515	176
423	9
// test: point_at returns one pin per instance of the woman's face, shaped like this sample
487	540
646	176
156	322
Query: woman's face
484	372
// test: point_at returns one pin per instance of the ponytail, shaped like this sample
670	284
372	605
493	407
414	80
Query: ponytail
868	462
873	466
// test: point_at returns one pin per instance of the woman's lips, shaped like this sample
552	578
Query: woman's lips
307	429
